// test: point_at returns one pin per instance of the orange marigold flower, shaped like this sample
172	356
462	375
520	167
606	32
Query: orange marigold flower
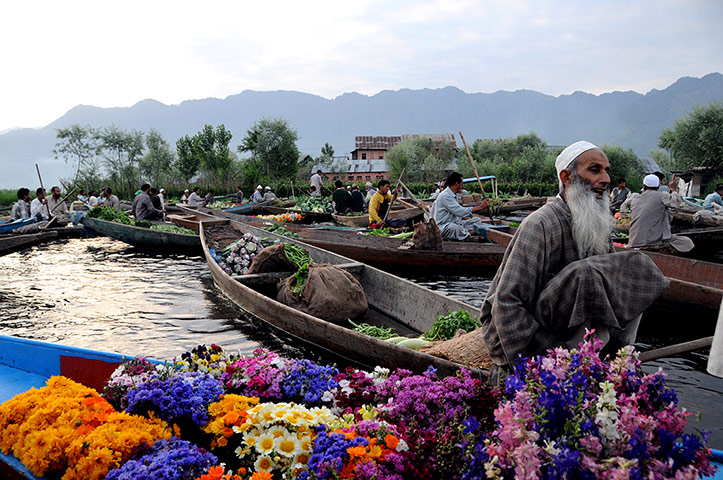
262	476
391	441
358	451
222	442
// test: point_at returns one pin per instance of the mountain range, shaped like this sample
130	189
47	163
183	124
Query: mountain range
628	119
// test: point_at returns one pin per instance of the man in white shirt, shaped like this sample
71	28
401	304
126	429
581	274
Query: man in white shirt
194	199
316	182
455	221
161	195
370	193
39	206
258	195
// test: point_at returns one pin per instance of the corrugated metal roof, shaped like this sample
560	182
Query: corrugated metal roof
375	143
356	166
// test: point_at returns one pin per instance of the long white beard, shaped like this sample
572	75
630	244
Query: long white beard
591	219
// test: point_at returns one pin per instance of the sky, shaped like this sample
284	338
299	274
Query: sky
56	55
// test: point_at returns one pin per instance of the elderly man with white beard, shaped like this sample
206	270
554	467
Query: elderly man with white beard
560	277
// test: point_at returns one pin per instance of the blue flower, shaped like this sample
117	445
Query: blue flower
167	460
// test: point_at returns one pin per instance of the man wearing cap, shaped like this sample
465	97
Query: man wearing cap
650	224
315	181
559	276
184	197
162	198
258	195
268	194
370	193
194	199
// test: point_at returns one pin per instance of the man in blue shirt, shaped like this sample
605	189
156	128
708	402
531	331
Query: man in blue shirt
714	201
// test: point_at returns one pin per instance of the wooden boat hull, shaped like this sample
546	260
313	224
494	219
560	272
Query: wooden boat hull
411	305
191	221
26	364
363	220
13	243
384	253
246	208
145	238
12	225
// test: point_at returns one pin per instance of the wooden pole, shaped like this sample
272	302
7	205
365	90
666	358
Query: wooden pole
47	207
474	167
704	342
394	197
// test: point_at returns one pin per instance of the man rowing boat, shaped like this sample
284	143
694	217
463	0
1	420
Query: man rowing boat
559	276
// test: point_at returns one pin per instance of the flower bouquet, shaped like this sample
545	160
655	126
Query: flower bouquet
129	374
212	360
571	415
172	459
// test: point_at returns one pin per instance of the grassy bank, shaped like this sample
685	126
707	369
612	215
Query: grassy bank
8	197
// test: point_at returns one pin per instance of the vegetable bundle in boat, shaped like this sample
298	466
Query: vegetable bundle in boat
238	256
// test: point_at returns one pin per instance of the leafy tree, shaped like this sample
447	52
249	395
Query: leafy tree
273	144
624	164
696	140
79	145
156	164
419	159
211	147
187	162
327	152
121	151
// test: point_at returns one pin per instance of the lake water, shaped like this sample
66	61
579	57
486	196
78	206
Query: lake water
102	294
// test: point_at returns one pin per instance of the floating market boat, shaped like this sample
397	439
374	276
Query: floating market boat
393	302
26	364
363	220
13	242
12	225
145	238
696	286
191	220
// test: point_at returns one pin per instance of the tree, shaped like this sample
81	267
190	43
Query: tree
624	164
156	164
187	162
121	151
419	159
696	140
273	144
77	144
211	148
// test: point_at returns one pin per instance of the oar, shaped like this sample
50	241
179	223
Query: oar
474	167
47	207
675	349
64	199
394	197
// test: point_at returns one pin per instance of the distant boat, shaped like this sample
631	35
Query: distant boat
145	238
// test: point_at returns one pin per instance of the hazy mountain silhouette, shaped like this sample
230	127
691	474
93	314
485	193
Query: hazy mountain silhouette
629	119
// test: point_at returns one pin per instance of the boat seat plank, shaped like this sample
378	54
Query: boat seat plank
15	380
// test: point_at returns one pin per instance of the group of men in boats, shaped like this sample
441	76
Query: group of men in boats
43	208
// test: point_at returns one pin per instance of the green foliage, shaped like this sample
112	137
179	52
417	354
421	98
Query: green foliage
272	143
525	158
121	151
211	148
173	229
696	140
446	326
8	197
187	162
156	165
373	331
710	188
419	160
624	164
80	146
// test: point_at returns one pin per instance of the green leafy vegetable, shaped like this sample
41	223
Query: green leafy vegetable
297	255
377	332
446	326
173	229
299	280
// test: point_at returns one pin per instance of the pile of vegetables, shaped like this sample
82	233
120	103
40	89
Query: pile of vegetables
236	258
279	230
219	205
619	235
283	217
444	328
385	232
173	229
297	255
314	204
110	215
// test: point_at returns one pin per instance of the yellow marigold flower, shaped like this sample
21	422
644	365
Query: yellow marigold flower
359	451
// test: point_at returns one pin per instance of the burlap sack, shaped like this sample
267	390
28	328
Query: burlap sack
427	236
330	293
272	259
466	348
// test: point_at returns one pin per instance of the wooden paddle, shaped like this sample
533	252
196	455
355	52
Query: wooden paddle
47	207
394	197
474	167
675	349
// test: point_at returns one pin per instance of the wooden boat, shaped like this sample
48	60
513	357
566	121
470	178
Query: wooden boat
695	286
145	238
12	225
11	242
393	301
308	217
363	220
686	217
191	220
246	208
26	364
706	239
523	203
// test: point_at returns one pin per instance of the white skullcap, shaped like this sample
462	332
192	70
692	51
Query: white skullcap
369	184
651	181
259	187
268	188
163	190
569	155
186	190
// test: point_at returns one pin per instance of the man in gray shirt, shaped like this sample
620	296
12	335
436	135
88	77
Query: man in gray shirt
142	207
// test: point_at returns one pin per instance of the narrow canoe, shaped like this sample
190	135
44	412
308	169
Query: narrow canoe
696	287
392	302
26	364
191	220
12	243
363	220
246	208
145	238
12	225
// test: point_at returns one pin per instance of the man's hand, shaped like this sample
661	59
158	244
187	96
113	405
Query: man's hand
483	206
673	185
